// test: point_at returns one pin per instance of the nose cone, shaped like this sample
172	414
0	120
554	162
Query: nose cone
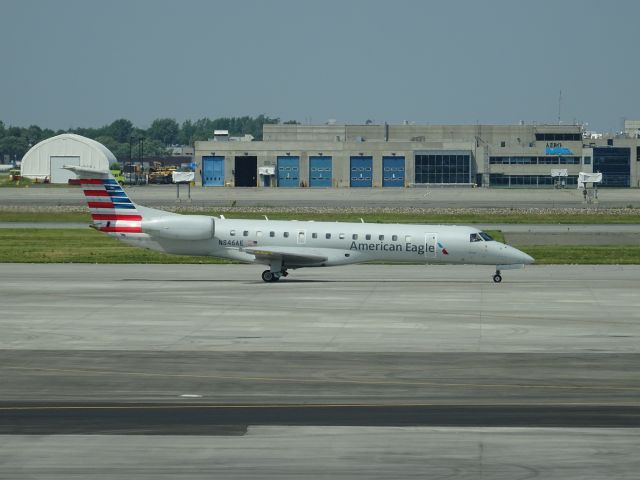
518	256
528	259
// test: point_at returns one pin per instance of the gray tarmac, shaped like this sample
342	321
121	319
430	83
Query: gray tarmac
443	341
164	195
332	452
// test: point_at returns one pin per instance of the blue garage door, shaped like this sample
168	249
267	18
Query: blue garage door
320	172
393	171
213	171
361	171
288	171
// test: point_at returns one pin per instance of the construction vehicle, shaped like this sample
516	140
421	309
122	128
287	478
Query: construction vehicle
161	174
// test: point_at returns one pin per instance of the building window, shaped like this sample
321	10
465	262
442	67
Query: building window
448	167
615	165
528	181
558	137
503	144
587	160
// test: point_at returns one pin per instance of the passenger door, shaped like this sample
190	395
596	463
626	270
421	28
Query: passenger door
430	246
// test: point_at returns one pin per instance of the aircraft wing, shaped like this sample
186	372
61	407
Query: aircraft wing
292	256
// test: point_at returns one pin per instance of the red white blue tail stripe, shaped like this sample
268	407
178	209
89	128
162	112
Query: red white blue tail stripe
111	209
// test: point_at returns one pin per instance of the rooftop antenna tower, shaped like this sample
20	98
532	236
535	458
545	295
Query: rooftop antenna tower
559	107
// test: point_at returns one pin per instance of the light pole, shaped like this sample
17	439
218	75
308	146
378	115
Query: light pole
129	170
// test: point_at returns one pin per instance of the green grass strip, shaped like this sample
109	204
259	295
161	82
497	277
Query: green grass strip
583	254
79	246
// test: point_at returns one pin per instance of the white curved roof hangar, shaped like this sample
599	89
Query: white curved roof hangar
46	159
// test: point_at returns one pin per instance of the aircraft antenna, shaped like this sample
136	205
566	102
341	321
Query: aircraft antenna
265	217
361	220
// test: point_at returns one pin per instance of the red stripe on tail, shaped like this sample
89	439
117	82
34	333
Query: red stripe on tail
105	216
121	229
91	181
96	193
100	204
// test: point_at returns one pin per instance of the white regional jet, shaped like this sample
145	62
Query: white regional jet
285	245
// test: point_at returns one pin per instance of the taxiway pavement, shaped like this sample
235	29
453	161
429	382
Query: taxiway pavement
386	371
164	195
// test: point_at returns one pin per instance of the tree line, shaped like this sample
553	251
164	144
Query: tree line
121	136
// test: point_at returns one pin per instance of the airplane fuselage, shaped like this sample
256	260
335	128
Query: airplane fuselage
341	243
284	245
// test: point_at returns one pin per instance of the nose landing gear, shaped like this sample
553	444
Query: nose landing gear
497	278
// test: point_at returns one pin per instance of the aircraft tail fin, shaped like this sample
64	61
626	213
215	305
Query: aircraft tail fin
111	209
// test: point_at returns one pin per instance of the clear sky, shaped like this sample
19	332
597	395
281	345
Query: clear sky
70	63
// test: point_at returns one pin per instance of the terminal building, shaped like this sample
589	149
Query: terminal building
395	156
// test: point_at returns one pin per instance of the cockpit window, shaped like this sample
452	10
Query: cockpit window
487	237
474	237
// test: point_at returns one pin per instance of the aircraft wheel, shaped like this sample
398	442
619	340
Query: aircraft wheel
267	276
497	278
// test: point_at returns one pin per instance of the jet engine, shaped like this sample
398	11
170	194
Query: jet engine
180	227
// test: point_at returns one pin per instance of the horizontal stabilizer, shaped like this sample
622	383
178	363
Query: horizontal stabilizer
87	172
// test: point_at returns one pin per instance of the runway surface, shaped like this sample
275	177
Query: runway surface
371	371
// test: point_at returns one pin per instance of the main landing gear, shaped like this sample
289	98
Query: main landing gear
269	276
497	277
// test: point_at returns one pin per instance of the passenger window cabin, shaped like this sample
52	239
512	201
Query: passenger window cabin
368	236
285	234
232	233
314	235
327	236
